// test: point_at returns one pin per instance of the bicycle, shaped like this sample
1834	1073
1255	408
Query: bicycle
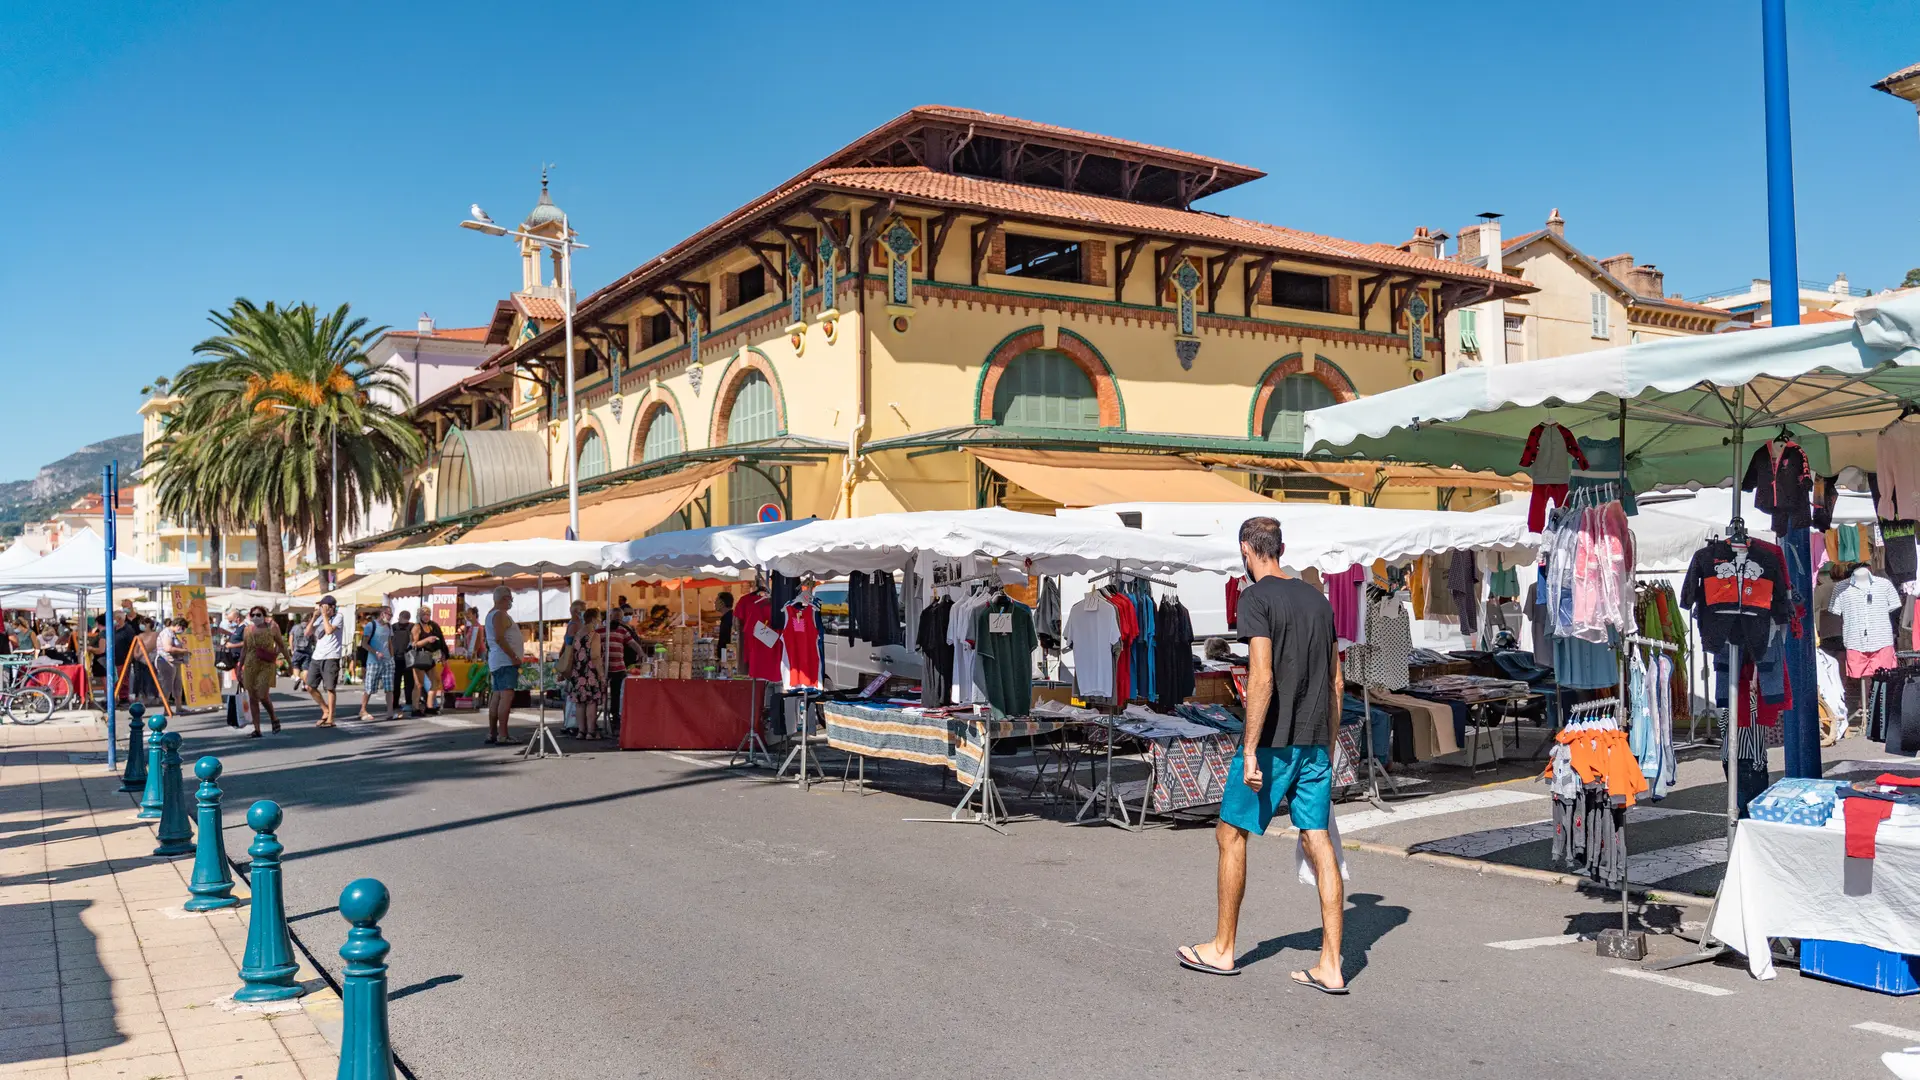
21	700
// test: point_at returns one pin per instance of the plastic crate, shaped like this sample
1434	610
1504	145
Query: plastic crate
1860	965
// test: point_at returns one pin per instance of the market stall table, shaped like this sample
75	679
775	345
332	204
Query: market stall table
1795	881
961	742
688	714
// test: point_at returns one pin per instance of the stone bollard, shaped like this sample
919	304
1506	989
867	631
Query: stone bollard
268	967
153	796
176	829
134	776
212	884
366	1052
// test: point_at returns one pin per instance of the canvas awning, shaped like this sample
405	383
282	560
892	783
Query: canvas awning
618	512
1082	479
1366	475
80	563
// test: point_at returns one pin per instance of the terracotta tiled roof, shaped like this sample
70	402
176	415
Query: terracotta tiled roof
1904	73
1120	215
1819	315
458	333
1688	305
541	309
1507	245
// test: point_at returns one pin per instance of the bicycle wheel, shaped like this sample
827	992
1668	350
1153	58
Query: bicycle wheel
28	706
54	682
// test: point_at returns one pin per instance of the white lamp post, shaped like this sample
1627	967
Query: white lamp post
566	245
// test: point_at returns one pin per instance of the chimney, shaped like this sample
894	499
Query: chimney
1424	244
1555	224
1647	280
1470	242
1618	265
1840	286
1490	240
426	323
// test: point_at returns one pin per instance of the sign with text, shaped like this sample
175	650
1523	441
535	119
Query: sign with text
199	679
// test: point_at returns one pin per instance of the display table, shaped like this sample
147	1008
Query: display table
688	714
1796	881
962	743
470	677
75	675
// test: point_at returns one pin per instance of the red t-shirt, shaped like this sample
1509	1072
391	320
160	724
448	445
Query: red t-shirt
1123	660
800	641
761	659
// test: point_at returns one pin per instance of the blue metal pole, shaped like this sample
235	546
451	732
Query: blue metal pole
110	481
1783	266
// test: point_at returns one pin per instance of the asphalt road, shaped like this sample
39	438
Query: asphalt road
648	915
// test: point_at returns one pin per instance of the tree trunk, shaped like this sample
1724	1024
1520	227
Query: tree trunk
216	556
273	553
262	559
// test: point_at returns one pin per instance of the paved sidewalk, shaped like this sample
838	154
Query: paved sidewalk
102	974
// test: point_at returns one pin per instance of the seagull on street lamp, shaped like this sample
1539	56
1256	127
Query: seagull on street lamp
480	215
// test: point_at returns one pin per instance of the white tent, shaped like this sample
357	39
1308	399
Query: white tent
80	563
17	554
717	549
501	558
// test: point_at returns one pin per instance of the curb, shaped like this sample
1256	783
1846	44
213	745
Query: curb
1525	873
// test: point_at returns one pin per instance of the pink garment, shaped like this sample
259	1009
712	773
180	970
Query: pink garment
1343	592
1603	574
1818	541
1898	451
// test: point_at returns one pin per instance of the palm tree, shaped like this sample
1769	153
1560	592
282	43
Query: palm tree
278	393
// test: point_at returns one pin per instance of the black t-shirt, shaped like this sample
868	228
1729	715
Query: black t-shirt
1299	620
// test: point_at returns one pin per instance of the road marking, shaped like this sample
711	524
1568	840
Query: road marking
452	722
1445	804
704	763
1668	980
1539	942
1889	1031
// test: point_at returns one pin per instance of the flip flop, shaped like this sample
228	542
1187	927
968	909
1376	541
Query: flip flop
1305	978
1190	959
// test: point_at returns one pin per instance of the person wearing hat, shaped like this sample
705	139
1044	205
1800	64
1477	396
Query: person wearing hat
329	648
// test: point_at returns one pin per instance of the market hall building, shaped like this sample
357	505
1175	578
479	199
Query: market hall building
959	309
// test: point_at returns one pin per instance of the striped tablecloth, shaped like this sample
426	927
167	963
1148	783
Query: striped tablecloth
955	742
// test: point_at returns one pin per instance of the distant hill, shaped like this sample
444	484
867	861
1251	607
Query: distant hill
56	485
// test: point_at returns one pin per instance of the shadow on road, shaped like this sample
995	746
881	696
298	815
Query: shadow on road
423	985
1368	920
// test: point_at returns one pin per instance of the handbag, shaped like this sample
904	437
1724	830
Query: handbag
420	659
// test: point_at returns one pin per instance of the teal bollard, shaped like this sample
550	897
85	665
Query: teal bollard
153	796
212	884
366	1051
267	967
134	776
176	829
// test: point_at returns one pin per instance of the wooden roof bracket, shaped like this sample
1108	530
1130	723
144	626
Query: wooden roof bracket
1217	268
773	259
937	232
1124	256
981	243
1370	294
1164	261
1256	274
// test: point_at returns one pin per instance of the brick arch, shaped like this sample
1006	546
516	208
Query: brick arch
1113	412
1326	371
654	401
731	376
585	428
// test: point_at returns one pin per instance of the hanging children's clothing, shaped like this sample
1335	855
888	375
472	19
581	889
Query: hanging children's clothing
1549	458
1736	595
1782	485
1604	467
1650	704
1866	604
1593	777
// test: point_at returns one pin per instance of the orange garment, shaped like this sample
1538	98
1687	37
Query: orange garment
1418	581
1604	755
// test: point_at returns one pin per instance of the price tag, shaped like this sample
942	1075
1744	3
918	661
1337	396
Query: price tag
1000	623
766	635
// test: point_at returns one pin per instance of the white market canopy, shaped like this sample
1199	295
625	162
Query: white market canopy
80	564
1325	537
1835	385
1035	543
17	554
499	558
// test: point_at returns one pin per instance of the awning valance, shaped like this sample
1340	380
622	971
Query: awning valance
617	512
1083	479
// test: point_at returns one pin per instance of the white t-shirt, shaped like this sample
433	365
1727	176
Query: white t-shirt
959	632
1092	631
1863	611
164	645
327	646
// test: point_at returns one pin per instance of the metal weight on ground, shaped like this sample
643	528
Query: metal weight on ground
176	829
212	884
366	1051
267	968
153	795
134	776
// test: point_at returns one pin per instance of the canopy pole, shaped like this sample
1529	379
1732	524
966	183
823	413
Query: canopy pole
542	744
109	494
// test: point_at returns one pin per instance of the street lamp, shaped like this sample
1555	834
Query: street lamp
566	245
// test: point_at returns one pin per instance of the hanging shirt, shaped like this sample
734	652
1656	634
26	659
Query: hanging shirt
1123	656
936	680
1383	661
1005	640
759	641
1782	485
1343	592
1092	634
1735	597
1551	454
800	648
1234	585
1604	466
1897	452
960	635
1863	611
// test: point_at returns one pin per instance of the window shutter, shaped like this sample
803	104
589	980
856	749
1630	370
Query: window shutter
1469	327
1599	315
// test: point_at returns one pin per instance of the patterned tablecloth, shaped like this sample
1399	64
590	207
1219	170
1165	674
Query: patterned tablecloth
955	742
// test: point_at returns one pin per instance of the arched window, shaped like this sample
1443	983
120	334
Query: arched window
1044	388
593	455
752	417
1287	405
749	489
417	506
661	437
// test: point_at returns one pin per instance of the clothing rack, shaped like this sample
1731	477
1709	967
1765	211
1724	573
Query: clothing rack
1116	572
1623	944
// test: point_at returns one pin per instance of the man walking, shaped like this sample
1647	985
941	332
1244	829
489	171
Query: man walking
505	649
378	640
323	671
1293	712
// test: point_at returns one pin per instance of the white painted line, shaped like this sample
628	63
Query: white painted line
704	763
1539	942
1445	804
452	722
1891	1032
1668	980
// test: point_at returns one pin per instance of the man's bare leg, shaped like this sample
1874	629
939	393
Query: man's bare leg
1333	904
1232	886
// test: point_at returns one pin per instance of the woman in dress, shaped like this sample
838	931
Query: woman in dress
428	637
262	647
588	680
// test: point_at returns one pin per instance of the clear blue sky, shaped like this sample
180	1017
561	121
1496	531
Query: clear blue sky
162	158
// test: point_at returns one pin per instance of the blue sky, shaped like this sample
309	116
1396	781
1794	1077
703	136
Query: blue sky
161	158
